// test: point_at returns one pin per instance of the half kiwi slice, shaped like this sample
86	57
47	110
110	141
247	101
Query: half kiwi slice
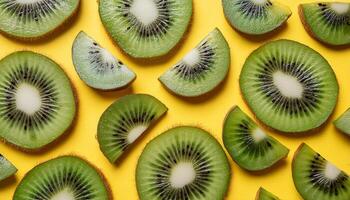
328	22
202	69
255	16
183	163
37	103
31	19
97	67
146	28
316	178
65	177
289	86
343	122
265	195
7	169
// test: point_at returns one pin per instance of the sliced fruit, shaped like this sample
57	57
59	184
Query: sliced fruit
7	169
265	195
343	122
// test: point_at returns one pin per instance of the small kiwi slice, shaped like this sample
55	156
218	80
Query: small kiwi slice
97	67
146	28
31	19
343	122
289	86
7	169
183	163
316	178
265	195
37	103
329	22
64	177
255	17
125	121
202	69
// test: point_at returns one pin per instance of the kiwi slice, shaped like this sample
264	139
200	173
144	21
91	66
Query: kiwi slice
183	163
265	195
343	122
31	19
65	177
37	103
97	67
329	22
125	121
7	169
202	69
289	86
316	178
255	16
146	28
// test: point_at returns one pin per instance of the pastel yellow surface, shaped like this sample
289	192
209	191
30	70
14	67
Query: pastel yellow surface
207	112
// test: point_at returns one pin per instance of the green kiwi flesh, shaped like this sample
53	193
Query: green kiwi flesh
7	169
183	163
202	69
265	195
289	86
343	122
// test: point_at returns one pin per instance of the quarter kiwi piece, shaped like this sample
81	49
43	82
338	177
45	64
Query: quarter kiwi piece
265	195
146	28
63	178
255	17
202	69
343	122
316	178
125	121
97	67
31	19
183	163
37	103
7	169
328	22
249	146
289	86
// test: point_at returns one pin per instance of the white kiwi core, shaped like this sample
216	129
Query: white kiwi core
145	11
182	174
288	85
331	171
340	8
28	1
192	58
28	99
258	135
65	194
259	2
135	133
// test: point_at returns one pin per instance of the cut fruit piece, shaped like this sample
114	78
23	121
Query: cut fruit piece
146	28
183	163
249	146
7	169
265	195
343	122
97	67
255	16
329	22
316	178
125	121
202	69
289	86
37	103
63	178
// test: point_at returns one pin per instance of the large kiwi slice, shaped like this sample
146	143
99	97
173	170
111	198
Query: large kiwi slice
289	86
249	146
97	67
37	103
265	195
316	178
202	69
343	122
63	178
31	19
255	16
183	163
7	169
328	22
124	122
146	28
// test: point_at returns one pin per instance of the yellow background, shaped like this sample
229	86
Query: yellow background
207	112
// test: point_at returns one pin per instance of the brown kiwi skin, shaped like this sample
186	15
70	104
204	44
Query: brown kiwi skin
257	197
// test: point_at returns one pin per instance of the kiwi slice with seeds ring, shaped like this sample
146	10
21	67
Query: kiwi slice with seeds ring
265	195
7	169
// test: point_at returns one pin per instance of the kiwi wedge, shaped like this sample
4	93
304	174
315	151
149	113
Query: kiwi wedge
265	195
146	28
328	22
65	177
37	103
31	19
183	163
7	169
343	122
97	67
202	69
316	178
289	86
255	17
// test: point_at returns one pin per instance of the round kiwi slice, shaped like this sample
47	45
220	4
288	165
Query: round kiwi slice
97	67
265	195
202	69
343	122
255	16
37	103
289	86
183	163
31	19
316	178
7	169
63	178
328	22
146	28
